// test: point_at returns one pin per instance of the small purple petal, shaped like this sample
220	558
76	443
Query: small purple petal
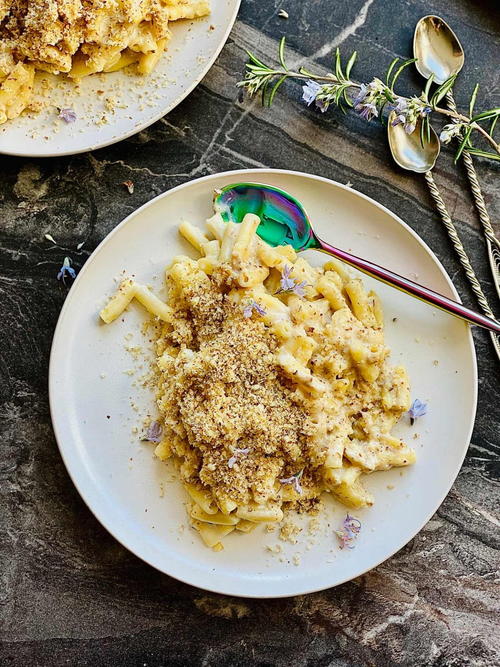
367	111
68	115
236	453
310	91
361	95
294	480
66	270
418	409
350	530
398	120
253	305
322	105
155	431
400	106
290	284
299	288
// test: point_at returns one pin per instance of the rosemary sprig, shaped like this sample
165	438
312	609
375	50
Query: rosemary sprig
374	98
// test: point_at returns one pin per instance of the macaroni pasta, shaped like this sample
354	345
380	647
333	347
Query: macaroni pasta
273	380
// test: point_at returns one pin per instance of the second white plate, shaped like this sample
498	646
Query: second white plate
112	107
97	400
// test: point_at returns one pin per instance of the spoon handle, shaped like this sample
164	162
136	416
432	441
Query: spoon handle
410	287
492	243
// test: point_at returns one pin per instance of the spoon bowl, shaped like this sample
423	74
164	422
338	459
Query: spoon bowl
437	49
407	149
283	218
285	221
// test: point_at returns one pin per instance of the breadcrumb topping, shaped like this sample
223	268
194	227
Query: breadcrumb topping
230	396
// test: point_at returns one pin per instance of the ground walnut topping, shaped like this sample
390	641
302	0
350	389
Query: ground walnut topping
230	397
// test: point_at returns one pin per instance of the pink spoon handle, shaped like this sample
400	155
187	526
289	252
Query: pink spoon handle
405	285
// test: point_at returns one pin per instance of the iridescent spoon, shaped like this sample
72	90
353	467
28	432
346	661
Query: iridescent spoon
284	221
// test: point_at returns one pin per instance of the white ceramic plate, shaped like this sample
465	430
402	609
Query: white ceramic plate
95	406
137	101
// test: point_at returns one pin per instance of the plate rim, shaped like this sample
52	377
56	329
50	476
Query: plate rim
154	119
75	476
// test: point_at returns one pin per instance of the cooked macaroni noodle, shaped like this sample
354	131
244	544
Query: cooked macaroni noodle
81	37
274	384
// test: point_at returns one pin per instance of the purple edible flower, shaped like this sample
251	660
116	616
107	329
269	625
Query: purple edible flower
360	97
322	105
400	106
350	530
290	284
154	433
237	452
68	115
408	112
369	95
310	91
418	409
295	481
66	270
253	305
367	111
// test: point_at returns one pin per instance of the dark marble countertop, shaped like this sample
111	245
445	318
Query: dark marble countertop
71	595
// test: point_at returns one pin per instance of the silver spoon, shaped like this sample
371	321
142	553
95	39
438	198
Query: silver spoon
440	54
284	221
409	153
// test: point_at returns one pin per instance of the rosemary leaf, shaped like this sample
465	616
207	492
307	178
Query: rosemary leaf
443	89
492	113
281	53
428	86
350	64
422	133
480	153
389	71
338	66
472	102
463	143
256	61
399	70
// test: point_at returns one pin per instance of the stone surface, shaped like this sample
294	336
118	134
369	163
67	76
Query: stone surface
71	595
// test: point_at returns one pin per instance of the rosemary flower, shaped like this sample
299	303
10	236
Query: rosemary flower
236	453
369	96
250	307
449	132
66	270
350	530
290	284
154	433
310	92
408	112
294	480
418	409
67	115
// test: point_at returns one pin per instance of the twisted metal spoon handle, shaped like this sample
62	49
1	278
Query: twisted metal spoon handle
492	243
462	255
